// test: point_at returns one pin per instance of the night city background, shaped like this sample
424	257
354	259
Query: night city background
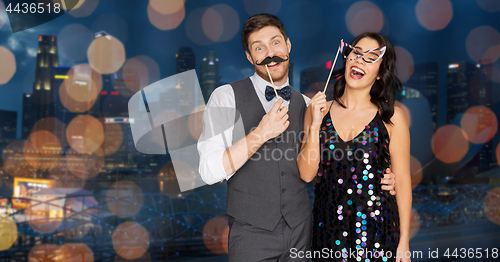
73	187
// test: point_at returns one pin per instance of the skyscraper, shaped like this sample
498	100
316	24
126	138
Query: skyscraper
425	79
46	58
459	96
481	91
186	60
28	119
209	74
41	103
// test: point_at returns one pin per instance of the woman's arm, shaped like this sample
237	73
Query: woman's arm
399	149
309	156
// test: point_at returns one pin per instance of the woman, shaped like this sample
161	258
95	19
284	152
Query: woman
349	142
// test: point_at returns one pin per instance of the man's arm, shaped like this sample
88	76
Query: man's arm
272	124
219	159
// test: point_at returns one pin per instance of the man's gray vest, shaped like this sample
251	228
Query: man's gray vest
268	185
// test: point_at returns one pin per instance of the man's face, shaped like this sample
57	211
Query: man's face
269	42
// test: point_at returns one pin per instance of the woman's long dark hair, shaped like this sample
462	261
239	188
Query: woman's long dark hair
383	91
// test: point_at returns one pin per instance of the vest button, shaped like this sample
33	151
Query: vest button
283	206
282	173
283	190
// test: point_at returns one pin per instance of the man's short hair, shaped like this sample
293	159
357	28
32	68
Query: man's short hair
257	22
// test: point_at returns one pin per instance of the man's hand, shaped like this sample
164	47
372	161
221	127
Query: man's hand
388	181
274	122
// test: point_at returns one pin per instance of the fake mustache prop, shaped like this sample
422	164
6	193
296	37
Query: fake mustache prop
269	60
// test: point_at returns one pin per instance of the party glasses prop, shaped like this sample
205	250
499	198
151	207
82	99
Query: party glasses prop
369	56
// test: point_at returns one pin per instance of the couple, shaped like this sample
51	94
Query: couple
267	201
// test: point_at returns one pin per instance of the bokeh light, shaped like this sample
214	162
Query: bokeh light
45	215
194	27
73	41
364	16
75	252
480	124
254	7
220	23
14	160
434	14
167	178
491	55
8	65
166	21
106	54
406	112
195	121
54	126
415	171
135	75
125	198
45	142
79	91
215	235
152	66
43	253
84	165
492	205
32	155
414	222
84	8
175	127
83	83
450	144
85	134
113	138
47	149
73	105
479	41
167	7
130	240
498	153
489	5
138	72
8	231
112	24
404	64
3	15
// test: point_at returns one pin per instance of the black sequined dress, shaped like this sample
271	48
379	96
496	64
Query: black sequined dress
351	213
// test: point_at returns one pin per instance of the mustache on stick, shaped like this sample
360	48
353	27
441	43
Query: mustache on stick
269	60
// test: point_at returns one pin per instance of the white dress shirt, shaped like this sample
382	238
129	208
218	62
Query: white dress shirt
212	149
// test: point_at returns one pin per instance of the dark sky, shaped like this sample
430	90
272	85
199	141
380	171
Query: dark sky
314	28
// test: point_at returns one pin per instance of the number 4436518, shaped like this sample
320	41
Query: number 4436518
471	253
34	8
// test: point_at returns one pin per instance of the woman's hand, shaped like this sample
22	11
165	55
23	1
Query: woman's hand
403	254
318	108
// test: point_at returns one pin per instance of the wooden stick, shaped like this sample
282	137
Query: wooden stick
276	92
331	70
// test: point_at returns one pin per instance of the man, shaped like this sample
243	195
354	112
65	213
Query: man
267	201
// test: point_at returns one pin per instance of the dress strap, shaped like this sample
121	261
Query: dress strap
333	101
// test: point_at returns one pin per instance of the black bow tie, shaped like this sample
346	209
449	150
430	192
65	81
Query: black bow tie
285	93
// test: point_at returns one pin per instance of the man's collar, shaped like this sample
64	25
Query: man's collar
261	83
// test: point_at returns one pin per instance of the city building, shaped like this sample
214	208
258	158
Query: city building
209	74
185	60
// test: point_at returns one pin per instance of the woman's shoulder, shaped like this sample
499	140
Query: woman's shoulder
399	117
